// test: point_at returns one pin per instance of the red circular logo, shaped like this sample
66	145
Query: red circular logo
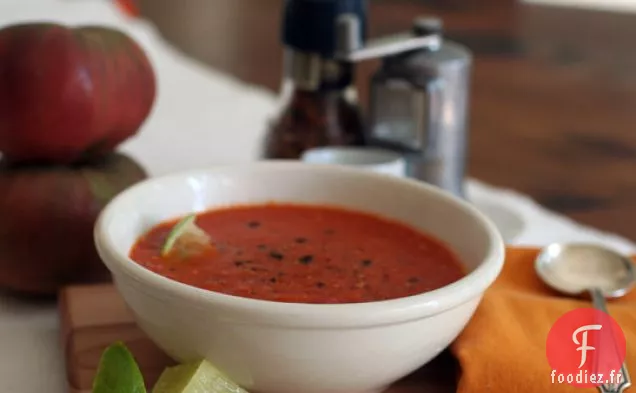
586	348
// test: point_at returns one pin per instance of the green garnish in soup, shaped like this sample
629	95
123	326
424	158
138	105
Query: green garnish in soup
186	239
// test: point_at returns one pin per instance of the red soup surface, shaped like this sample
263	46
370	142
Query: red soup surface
305	254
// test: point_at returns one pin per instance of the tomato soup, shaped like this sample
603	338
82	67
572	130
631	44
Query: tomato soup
305	254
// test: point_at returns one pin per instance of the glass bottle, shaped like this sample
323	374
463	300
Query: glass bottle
324	114
320	106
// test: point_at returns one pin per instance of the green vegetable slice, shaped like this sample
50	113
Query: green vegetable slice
177	231
185	236
118	372
195	377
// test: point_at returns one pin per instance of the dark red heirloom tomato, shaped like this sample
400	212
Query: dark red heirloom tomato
47	216
68	94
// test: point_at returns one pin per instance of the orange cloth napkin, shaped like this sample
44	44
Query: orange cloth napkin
503	347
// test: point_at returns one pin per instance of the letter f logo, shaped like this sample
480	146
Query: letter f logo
583	344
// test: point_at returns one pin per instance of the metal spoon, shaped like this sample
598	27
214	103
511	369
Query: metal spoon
576	269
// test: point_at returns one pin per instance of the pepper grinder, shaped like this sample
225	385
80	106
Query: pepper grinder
419	107
418	98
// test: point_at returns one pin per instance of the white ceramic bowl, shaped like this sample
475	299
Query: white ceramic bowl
271	347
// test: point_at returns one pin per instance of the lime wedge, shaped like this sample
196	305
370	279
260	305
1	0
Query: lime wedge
195	377
118	372
186	236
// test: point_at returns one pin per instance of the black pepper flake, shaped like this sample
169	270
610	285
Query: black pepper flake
320	284
306	259
276	255
258	269
238	263
273	280
413	280
300	240
253	224
262	247
366	262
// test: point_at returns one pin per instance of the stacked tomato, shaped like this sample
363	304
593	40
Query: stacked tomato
69	96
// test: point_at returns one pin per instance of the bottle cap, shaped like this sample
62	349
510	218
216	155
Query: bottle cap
313	25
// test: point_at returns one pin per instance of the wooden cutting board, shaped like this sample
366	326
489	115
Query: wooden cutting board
93	317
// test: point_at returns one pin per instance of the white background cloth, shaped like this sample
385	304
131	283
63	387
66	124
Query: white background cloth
203	118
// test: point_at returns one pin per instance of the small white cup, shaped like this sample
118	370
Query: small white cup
369	158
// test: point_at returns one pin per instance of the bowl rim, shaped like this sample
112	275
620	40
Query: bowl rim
467	288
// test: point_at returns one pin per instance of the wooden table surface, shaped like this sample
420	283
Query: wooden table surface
553	110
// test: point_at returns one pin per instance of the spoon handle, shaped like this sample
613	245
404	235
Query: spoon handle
619	386
598	300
